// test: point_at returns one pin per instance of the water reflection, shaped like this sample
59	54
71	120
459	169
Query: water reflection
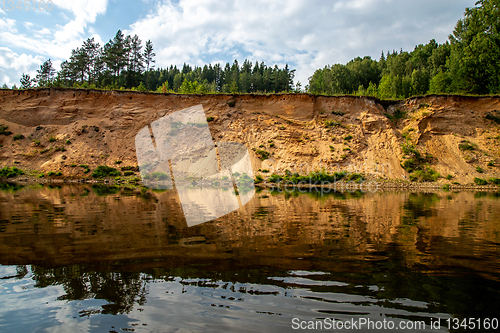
95	258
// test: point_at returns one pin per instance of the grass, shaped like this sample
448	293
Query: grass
332	123
52	139
68	142
36	142
104	171
9	172
18	137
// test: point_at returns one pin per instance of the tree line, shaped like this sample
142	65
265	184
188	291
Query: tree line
122	63
468	63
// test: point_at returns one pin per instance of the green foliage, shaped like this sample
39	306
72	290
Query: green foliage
446	187
18	137
3	130
348	137
480	181
491	163
332	123
10	172
424	175
449	177
52	139
231	103
274	178
159	176
263	155
51	173
209	119
479	169
128	173
495	181
466	145
104	171
36	142
118	162
128	168
493	116
258	179
264	170
338	113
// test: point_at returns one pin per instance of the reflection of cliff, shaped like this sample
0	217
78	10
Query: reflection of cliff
84	225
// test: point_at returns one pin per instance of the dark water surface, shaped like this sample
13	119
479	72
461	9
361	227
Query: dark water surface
109	259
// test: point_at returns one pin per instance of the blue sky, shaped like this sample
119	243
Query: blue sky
306	34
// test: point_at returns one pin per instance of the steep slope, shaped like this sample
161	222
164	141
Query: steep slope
67	127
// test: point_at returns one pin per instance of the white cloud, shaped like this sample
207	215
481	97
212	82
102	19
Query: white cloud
307	34
13	65
46	43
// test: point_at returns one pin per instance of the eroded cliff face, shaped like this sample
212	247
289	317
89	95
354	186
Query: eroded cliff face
300	132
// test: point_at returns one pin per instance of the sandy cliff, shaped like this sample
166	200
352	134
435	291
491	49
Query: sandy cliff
300	132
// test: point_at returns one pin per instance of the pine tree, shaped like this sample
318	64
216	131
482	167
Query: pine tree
26	81
45	75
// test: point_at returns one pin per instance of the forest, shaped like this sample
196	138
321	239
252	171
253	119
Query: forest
468	63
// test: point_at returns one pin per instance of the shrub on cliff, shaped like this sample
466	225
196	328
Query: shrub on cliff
104	171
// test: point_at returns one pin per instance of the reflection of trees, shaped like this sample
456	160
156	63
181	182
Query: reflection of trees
121	289
419	205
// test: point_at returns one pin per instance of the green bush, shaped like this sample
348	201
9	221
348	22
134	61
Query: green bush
3	130
118	162
159	175
209	119
338	113
231	103
9	172
491	163
480	181
265	170
128	168
274	178
424	175
332	123
495	181
59	173
479	169
258	179
104	171
52	139
36	142
466	145
263	155
348	137
18	137
128	173
68	142
51	173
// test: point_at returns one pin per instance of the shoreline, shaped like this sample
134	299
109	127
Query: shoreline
339	186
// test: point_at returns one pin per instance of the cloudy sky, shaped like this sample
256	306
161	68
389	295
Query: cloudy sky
306	34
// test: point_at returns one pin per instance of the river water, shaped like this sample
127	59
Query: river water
113	259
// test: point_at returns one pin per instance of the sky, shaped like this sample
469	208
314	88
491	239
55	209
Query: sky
305	34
